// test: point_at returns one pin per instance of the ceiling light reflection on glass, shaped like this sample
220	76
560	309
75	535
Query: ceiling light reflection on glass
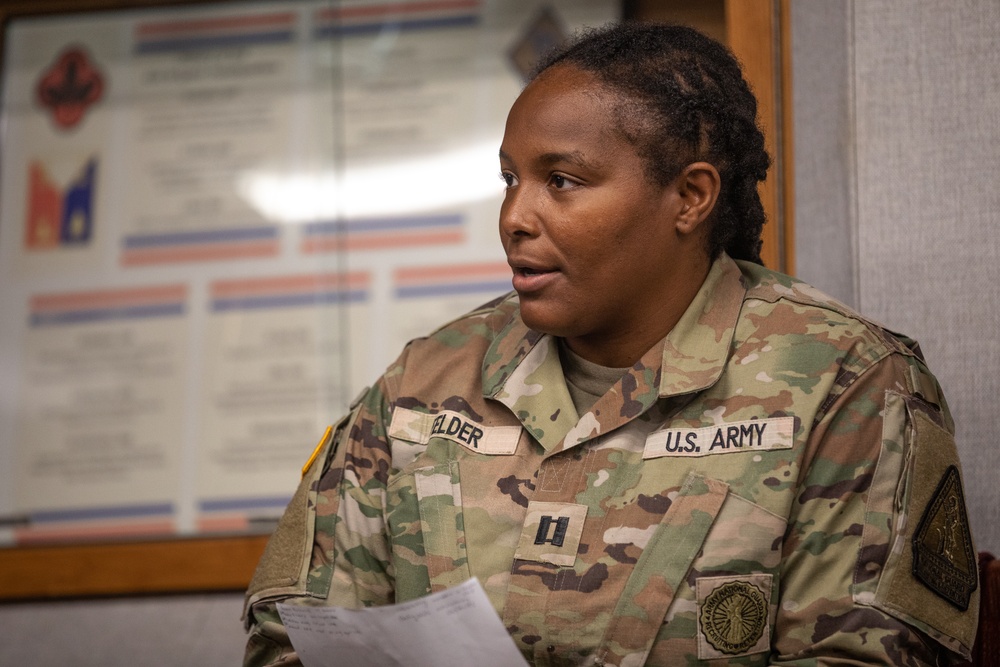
436	182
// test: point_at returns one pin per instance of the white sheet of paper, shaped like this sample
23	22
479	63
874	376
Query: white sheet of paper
456	627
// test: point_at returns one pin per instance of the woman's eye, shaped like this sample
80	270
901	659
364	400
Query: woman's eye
561	182
508	178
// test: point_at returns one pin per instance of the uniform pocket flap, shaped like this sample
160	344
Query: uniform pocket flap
664	562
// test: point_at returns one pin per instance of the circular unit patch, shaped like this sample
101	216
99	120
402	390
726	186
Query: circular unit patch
733	617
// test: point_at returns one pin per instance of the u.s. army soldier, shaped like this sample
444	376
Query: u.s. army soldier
654	451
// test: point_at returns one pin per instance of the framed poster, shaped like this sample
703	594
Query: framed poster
220	221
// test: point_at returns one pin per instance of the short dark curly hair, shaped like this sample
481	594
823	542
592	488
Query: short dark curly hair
682	98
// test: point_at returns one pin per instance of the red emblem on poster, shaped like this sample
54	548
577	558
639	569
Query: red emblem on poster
70	87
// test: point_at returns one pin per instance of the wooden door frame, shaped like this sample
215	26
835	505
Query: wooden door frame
759	34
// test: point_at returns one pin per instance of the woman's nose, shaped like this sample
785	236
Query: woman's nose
518	214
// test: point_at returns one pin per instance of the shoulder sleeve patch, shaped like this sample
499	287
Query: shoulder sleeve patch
286	558
930	575
943	556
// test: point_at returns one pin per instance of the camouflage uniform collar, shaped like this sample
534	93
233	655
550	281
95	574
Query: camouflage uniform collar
697	349
522	370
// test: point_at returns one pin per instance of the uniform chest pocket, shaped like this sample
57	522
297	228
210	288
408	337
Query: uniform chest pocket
744	537
726	607
424	515
733	581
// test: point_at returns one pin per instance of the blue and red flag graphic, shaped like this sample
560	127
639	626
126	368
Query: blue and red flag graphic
59	217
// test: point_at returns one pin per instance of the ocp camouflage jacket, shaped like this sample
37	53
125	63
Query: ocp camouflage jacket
775	482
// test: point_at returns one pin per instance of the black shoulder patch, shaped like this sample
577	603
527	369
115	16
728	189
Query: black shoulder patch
944	559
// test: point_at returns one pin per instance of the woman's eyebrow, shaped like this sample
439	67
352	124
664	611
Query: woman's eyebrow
573	157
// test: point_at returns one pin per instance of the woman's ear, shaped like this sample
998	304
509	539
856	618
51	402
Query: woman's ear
698	186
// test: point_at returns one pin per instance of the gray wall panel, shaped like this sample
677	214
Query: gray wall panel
823	126
897	206
927	90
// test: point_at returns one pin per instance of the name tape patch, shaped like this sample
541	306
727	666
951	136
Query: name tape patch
729	438
420	427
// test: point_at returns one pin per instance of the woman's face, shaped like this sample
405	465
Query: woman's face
595	249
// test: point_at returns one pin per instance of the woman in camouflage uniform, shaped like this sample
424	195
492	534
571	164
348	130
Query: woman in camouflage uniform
655	451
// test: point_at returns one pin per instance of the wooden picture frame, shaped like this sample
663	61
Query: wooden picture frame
757	31
164	566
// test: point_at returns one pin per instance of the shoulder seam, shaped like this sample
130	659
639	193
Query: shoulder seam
487	308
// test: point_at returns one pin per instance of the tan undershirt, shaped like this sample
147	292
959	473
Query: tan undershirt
586	380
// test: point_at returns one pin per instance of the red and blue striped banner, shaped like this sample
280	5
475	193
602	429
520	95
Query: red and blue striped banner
201	246
238	514
491	278
91	523
106	305
372	18
290	291
383	233
214	32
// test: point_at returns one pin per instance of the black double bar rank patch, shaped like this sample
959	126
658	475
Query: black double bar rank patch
558	536
944	559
